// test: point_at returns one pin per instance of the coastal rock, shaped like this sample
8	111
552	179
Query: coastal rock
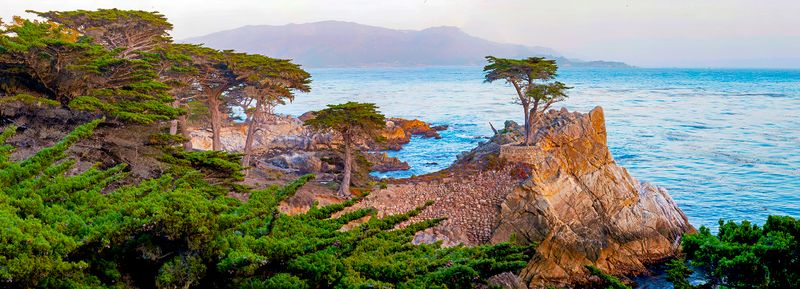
417	127
507	280
394	136
581	208
566	194
440	127
382	162
307	115
278	133
399	131
301	162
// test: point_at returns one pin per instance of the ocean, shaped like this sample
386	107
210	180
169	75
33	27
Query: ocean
724	142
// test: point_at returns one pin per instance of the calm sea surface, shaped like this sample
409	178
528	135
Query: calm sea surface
725	143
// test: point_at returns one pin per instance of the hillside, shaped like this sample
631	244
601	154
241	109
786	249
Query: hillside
342	44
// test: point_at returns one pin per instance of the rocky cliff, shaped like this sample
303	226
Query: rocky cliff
581	208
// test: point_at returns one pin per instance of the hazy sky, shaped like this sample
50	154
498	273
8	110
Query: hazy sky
660	33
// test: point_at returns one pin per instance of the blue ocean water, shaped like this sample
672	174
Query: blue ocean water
723	142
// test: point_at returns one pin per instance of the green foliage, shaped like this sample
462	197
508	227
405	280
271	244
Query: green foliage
218	167
353	121
181	272
166	140
350	118
279	75
678	274
128	31
67	230
50	60
6	150
609	281
744	255
29	100
532	77
531	68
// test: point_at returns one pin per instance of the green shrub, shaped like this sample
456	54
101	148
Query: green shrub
744	255
609	281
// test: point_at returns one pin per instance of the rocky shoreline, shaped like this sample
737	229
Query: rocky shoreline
566	194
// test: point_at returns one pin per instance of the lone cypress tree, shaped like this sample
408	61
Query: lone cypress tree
532	79
353	121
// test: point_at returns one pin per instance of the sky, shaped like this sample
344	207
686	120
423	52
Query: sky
647	33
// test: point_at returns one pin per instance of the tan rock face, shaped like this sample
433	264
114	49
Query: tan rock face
582	208
399	131
281	132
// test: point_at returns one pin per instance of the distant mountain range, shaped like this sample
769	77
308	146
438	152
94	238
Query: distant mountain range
347	44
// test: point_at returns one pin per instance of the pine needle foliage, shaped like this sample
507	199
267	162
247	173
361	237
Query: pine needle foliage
610	282
533	79
61	62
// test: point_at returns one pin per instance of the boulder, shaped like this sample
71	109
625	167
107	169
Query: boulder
398	132
307	115
394	137
417	127
440	127
301	162
382	162
581	208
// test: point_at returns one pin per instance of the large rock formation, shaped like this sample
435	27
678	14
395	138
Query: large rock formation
581	208
565	194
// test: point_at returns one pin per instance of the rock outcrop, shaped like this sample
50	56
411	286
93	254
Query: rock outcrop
581	208
399	131
382	162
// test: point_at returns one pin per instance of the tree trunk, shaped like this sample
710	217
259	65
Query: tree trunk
173	127
251	130
183	122
215	119
532	123
173	124
344	189
527	122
